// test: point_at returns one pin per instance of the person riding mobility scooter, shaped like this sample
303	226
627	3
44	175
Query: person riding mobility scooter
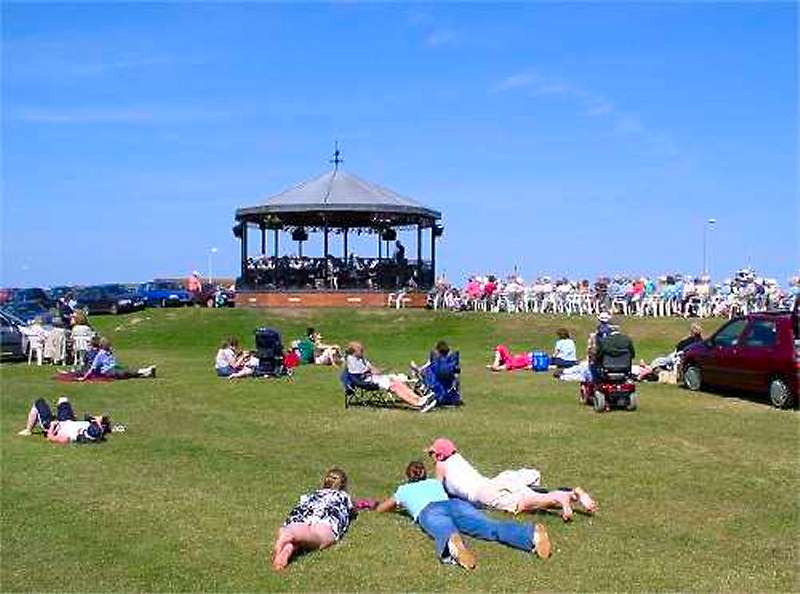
611	385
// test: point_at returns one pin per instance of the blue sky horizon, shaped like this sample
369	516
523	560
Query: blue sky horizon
564	139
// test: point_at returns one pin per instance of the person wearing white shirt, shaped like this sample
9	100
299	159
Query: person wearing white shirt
513	491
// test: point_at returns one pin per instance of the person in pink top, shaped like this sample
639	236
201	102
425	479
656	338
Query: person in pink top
473	288
505	360
490	287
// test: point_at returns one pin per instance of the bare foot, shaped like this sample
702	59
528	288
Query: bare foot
566	507
281	558
585	500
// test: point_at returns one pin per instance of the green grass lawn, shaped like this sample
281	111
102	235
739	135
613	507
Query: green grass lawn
698	492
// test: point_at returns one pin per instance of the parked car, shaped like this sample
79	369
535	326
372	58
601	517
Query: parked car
757	353
12	342
214	296
112	299
57	293
164	293
27	295
28	311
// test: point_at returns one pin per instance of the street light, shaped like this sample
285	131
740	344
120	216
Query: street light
706	226
211	253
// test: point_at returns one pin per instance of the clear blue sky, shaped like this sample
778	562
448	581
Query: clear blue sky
562	138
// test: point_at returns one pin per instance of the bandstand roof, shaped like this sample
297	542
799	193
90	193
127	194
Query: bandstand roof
339	199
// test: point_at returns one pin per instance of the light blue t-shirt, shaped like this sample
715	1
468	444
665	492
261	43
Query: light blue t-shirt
565	349
415	496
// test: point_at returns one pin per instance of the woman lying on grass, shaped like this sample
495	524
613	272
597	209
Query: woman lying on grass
319	520
505	360
365	373
445	519
65	428
104	364
514	491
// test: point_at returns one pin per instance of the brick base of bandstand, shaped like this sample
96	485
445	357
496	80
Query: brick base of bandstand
326	299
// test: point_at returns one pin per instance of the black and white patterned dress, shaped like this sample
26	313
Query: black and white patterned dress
324	506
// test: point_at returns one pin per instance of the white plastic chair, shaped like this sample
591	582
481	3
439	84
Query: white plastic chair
80	344
36	344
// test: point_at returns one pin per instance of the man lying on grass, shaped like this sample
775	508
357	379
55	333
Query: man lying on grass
65	428
514	491
445	519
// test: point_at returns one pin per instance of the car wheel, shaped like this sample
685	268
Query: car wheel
633	402
779	394
599	401
114	309
693	378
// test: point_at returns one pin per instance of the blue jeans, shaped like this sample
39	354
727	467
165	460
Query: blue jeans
441	519
225	371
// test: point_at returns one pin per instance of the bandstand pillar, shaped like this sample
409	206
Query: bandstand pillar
243	245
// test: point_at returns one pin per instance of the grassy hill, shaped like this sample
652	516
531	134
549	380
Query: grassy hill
698	492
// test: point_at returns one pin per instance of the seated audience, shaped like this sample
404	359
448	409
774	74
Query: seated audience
365	374
513	491
104	364
319	520
565	353
445	519
505	360
65	428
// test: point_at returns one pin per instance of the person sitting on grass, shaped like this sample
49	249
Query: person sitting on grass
105	365
225	362
246	365
365	374
445	519
565	354
313	351
65	428
505	360
319	520
668	362
513	491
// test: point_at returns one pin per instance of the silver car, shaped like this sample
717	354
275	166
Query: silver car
13	342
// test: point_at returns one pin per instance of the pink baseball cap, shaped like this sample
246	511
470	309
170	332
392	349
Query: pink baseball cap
442	449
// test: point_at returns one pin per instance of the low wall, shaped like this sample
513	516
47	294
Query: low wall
323	299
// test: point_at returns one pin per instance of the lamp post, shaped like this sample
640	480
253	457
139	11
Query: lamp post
211	253
706	226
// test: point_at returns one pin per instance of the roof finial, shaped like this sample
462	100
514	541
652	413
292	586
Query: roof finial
337	157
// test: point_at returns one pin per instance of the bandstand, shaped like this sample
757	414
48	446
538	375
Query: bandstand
336	205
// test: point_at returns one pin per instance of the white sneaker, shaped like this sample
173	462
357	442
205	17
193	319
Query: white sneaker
62	400
428	406
24	432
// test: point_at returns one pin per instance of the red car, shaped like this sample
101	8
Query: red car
758	353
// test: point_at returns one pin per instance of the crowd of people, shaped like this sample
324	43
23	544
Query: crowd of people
353	272
667	295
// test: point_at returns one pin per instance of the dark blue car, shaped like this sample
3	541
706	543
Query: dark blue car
164	293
